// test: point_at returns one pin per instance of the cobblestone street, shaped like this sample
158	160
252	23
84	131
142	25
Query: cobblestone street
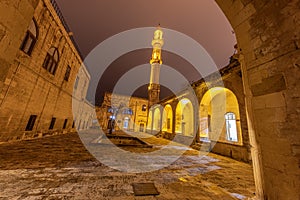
59	167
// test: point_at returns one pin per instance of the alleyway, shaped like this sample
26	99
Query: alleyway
59	167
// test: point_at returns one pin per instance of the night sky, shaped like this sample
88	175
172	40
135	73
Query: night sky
94	21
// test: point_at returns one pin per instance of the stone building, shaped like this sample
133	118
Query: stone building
127	113
40	67
83	111
217	117
268	35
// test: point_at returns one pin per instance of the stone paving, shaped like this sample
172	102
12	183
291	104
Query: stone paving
60	167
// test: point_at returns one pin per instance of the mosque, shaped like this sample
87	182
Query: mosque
259	123
216	118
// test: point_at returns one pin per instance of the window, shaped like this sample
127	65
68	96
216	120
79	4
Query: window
30	123
65	123
30	38
126	123
110	110
128	111
231	130
51	60
76	82
52	123
67	74
83	89
144	108
84	85
73	124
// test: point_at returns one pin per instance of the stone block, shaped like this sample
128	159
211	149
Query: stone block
243	14
255	77
279	182
270	115
276	147
269	101
269	85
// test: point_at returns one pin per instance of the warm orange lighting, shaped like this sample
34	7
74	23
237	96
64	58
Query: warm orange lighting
157	43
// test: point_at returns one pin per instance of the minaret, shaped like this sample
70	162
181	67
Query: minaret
156	61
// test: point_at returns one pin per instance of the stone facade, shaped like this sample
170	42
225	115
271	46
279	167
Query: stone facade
229	83
129	113
231	79
83	111
268	36
37	81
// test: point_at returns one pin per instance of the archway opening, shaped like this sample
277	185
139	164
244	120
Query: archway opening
167	119
220	116
157	120
184	118
149	123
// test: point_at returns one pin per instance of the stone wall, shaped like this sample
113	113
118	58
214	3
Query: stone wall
83	111
26	87
232	80
229	77
14	20
268	37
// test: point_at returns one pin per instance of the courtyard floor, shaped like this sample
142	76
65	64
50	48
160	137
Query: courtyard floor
60	167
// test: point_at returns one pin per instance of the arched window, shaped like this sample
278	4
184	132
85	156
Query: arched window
144	108
30	38
231	129
51	60
68	73
126	123
110	110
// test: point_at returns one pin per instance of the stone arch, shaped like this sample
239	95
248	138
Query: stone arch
167	119
157	119
149	121
154	119
216	103
184	117
51	60
31	38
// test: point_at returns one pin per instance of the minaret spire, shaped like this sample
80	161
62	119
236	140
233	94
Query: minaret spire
156	62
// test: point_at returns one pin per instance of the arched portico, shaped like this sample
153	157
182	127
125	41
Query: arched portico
157	119
167	119
154	124
149	121
220	116
184	117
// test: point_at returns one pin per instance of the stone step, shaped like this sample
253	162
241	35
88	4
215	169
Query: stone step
204	146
